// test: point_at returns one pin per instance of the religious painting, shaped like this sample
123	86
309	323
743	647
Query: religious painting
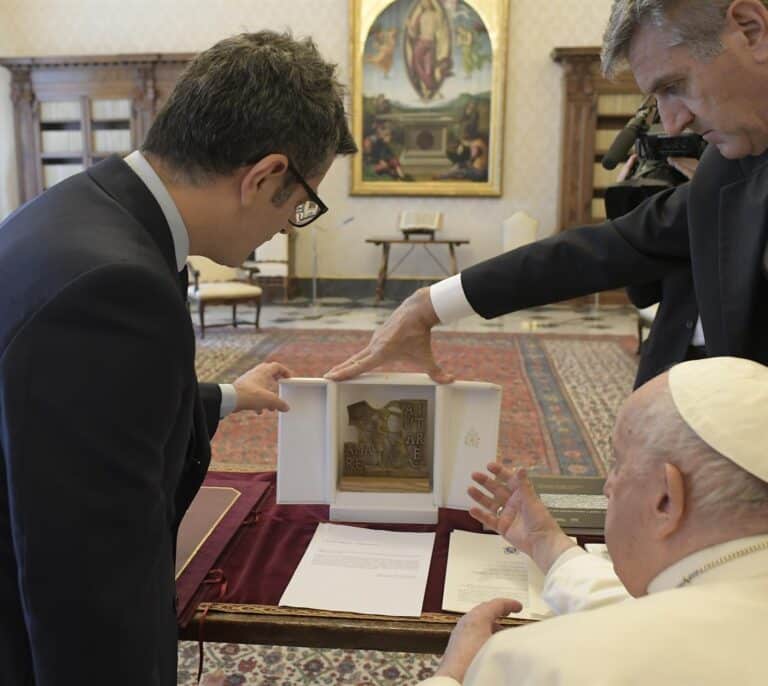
390	450
428	96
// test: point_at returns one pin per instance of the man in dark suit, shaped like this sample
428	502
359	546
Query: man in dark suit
673	337
104	429
708	67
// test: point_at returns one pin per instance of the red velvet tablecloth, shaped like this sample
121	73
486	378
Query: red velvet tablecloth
262	554
193	576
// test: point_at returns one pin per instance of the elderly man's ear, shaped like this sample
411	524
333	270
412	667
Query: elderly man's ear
750	19
670	505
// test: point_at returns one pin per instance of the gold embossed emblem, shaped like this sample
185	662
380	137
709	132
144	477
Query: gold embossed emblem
390	453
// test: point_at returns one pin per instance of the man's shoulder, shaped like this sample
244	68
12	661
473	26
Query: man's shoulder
74	226
715	171
72	230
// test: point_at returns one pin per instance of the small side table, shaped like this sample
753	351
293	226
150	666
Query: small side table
387	242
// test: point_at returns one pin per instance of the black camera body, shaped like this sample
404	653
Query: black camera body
655	145
652	173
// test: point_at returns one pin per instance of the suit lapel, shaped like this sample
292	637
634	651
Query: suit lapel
118	180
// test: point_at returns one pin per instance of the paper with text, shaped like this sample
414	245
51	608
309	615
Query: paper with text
349	569
485	566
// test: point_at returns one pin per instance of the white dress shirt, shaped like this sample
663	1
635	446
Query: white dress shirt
138	163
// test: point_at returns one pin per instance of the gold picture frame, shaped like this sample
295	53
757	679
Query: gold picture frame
428	95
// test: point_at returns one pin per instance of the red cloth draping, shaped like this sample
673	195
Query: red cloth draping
195	574
263	553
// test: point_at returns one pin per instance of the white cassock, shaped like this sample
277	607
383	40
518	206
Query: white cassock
712	631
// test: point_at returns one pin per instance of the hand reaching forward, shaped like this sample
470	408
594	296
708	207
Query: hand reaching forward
470	635
627	169
256	388
514	510
406	335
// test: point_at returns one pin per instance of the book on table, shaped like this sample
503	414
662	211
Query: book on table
575	502
414	222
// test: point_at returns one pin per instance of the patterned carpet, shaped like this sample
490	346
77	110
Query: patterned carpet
560	396
560	393
230	664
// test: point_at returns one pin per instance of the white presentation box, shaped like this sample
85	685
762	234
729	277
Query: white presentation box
462	434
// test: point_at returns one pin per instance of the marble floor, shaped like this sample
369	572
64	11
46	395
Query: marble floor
344	314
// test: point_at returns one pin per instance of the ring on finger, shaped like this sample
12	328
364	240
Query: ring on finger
499	510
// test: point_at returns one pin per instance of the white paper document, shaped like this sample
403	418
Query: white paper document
484	566
349	569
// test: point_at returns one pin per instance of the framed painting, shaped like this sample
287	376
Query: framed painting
428	91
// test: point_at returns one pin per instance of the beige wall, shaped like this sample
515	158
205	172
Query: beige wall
8	180
533	110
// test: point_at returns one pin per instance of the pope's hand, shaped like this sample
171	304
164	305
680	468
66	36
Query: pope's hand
406	335
256	388
470	635
514	510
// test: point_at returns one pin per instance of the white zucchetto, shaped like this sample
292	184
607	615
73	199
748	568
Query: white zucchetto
725	401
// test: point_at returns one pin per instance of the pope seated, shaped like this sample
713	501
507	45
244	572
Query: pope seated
685	598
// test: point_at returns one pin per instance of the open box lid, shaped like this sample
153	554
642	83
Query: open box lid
465	416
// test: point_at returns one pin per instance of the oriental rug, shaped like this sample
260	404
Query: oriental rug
559	400
232	664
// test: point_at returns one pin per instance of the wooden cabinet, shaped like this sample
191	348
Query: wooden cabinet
71	112
594	111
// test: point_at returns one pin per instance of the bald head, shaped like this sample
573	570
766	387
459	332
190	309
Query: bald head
670	491
715	483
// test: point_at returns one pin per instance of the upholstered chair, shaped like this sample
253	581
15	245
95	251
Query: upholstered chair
214	284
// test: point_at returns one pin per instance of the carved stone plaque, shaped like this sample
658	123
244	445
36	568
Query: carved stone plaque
390	451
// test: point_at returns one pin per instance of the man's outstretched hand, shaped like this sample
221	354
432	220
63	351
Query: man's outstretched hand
406	335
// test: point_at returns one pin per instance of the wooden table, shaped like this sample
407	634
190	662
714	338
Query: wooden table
224	618
285	626
387	242
270	625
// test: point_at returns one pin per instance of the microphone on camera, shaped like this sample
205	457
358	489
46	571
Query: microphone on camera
623	143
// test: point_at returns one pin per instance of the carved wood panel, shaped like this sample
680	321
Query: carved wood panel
143	80
592	108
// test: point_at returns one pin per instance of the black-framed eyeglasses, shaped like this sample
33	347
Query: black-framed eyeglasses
309	210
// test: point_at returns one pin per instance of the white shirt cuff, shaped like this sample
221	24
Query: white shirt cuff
569	554
228	399
580	581
449	301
